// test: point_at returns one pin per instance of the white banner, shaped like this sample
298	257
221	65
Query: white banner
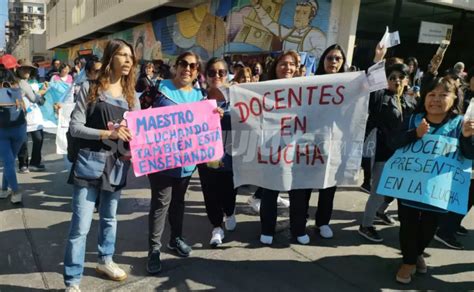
64	118
299	133
434	33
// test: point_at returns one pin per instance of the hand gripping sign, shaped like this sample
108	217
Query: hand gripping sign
431	171
174	136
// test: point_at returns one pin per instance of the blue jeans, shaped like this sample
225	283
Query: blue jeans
82	211
11	140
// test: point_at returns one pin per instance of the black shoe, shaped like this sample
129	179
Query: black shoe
462	231
385	218
153	265
365	187
39	167
181	247
370	233
449	242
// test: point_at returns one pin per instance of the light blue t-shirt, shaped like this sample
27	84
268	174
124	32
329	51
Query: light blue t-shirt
179	96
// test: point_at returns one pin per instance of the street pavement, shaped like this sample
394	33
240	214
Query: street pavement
33	236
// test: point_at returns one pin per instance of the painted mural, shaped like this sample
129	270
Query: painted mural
228	27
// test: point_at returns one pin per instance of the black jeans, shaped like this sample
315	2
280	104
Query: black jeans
325	206
298	210
167	194
367	167
258	193
417	229
450	222
219	193
37	137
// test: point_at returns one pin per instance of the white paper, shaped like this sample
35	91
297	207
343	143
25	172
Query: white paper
377	77
390	39
470	111
434	33
64	117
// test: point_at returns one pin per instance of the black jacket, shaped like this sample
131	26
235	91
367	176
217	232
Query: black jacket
385	115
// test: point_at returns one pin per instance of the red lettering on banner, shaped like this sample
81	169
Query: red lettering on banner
283	126
285	158
292	95
301	125
324	94
275	162
290	98
341	95
310	94
279	99
317	156
259	156
243	110
254	101
263	102
311	153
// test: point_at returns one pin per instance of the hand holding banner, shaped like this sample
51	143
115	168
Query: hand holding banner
431	171
174	136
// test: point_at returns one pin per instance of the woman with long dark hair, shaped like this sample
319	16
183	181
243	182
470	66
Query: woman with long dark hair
332	61
217	177
102	163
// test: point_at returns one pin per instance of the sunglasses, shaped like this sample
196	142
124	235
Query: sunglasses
395	77
214	73
333	58
184	64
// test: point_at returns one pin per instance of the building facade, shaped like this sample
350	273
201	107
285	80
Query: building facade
26	29
164	29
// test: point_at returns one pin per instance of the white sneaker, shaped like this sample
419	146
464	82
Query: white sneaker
73	288
266	239
16	198
325	231
217	236
303	239
230	223
254	203
283	202
5	193
112	271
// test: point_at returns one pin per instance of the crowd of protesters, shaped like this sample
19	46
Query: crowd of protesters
414	104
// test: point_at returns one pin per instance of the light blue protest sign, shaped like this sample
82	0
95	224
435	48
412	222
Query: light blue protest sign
431	171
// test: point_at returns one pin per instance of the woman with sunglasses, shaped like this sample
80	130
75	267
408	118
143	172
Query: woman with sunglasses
333	60
101	165
217	177
169	187
388	109
284	66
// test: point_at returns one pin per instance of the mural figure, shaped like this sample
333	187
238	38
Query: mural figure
302	37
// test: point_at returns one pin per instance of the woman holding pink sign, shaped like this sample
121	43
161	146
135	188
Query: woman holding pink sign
168	187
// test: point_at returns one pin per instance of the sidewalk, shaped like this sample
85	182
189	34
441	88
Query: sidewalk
32	240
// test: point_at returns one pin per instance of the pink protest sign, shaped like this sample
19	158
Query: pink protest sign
174	136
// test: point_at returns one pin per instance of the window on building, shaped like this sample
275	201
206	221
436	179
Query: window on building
30	9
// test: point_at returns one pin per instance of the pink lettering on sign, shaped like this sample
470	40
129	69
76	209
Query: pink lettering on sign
174	136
